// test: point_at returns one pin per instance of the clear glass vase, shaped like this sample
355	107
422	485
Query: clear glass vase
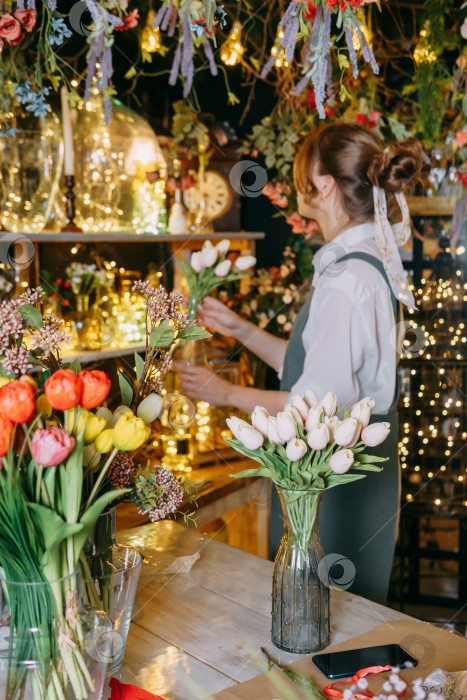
88	324
300	599
47	645
109	581
30	165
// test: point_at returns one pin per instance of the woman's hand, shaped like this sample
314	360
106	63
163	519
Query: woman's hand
202	384
216	315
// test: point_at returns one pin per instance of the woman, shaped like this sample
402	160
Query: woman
345	338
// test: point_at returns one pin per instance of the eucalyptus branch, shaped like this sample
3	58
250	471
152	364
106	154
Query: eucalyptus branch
304	683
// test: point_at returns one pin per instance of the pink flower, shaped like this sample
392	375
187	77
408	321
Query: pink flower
269	190
318	437
461	138
51	446
10	29
131	20
374	118
341	461
281	201
347	433
375	434
27	18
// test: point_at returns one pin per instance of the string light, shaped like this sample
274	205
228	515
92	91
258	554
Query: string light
151	40
423	52
278	51
232	49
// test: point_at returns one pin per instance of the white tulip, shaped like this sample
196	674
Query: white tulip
297	402
285	426
375	434
234	424
296	449
117	414
223	268
314	417
332	424
196	261
251	438
272	431
223	246
311	398
347	433
149	408
209	256
362	410
292	411
244	262
341	461
329	403
104	412
259	419
319	437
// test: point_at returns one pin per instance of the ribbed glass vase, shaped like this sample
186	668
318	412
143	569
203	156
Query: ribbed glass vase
300	599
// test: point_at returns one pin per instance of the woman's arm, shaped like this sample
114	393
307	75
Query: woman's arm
220	318
202	384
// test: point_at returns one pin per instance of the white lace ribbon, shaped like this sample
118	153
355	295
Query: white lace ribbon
388	239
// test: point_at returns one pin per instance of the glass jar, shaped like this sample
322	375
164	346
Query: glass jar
300	596
87	324
30	166
131	311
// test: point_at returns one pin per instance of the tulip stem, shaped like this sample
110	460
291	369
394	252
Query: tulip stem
101	477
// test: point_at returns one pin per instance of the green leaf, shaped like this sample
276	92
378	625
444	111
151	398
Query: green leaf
194	333
162	335
89	517
139	364
131	72
232	98
31	315
336	479
369	459
71	480
126	389
367	467
75	366
343	61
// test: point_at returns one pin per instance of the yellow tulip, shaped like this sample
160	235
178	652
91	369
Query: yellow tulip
94	424
130	432
104	442
4	380
43	406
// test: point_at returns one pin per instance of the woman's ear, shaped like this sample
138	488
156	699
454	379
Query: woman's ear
326	185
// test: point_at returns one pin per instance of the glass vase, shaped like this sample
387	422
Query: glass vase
30	165
88	324
108	587
300	599
47	642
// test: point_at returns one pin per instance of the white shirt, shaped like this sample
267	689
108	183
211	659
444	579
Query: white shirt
349	336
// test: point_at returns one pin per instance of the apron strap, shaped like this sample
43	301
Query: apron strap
396	304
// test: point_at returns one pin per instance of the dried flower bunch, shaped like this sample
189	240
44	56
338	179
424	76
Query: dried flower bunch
27	339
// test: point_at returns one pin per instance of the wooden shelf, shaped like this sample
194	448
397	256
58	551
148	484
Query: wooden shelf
131	237
431	206
85	356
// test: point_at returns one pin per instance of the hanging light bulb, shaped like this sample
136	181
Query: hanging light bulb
232	49
423	52
366	31
150	38
278	51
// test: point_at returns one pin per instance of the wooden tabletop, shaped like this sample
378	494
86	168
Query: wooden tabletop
195	634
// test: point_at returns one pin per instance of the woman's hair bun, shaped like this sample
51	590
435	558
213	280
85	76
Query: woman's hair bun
397	166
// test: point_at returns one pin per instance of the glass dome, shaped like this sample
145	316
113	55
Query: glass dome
113	192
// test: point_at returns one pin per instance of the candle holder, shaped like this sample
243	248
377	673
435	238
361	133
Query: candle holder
70	206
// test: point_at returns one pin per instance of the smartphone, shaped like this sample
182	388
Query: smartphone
344	664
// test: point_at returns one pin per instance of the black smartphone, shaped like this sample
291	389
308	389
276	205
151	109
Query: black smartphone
344	664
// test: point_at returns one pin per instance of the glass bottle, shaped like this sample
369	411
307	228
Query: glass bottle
87	323
300	592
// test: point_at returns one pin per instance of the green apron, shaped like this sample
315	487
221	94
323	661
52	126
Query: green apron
358	520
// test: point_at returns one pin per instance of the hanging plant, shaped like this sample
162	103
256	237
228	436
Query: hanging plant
312	23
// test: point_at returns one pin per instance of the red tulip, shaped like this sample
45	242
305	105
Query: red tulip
6	434
51	446
17	401
63	389
96	386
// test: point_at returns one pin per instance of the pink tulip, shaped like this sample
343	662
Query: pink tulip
259	419
347	433
311	398
51	446
362	410
314	417
244	262
269	190
196	261
318	438
223	269
292	411
234	424
461	138
251	438
297	402
281	201
272	431
375	434
341	461
285	427
295	450
329	404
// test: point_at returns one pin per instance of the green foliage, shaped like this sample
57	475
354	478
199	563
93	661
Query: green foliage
126	389
187	130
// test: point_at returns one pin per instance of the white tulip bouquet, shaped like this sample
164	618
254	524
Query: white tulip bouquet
210	267
307	448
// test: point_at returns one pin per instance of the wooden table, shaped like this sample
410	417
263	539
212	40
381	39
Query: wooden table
195	634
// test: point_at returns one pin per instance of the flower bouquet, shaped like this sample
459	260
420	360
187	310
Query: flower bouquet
305	450
210	267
